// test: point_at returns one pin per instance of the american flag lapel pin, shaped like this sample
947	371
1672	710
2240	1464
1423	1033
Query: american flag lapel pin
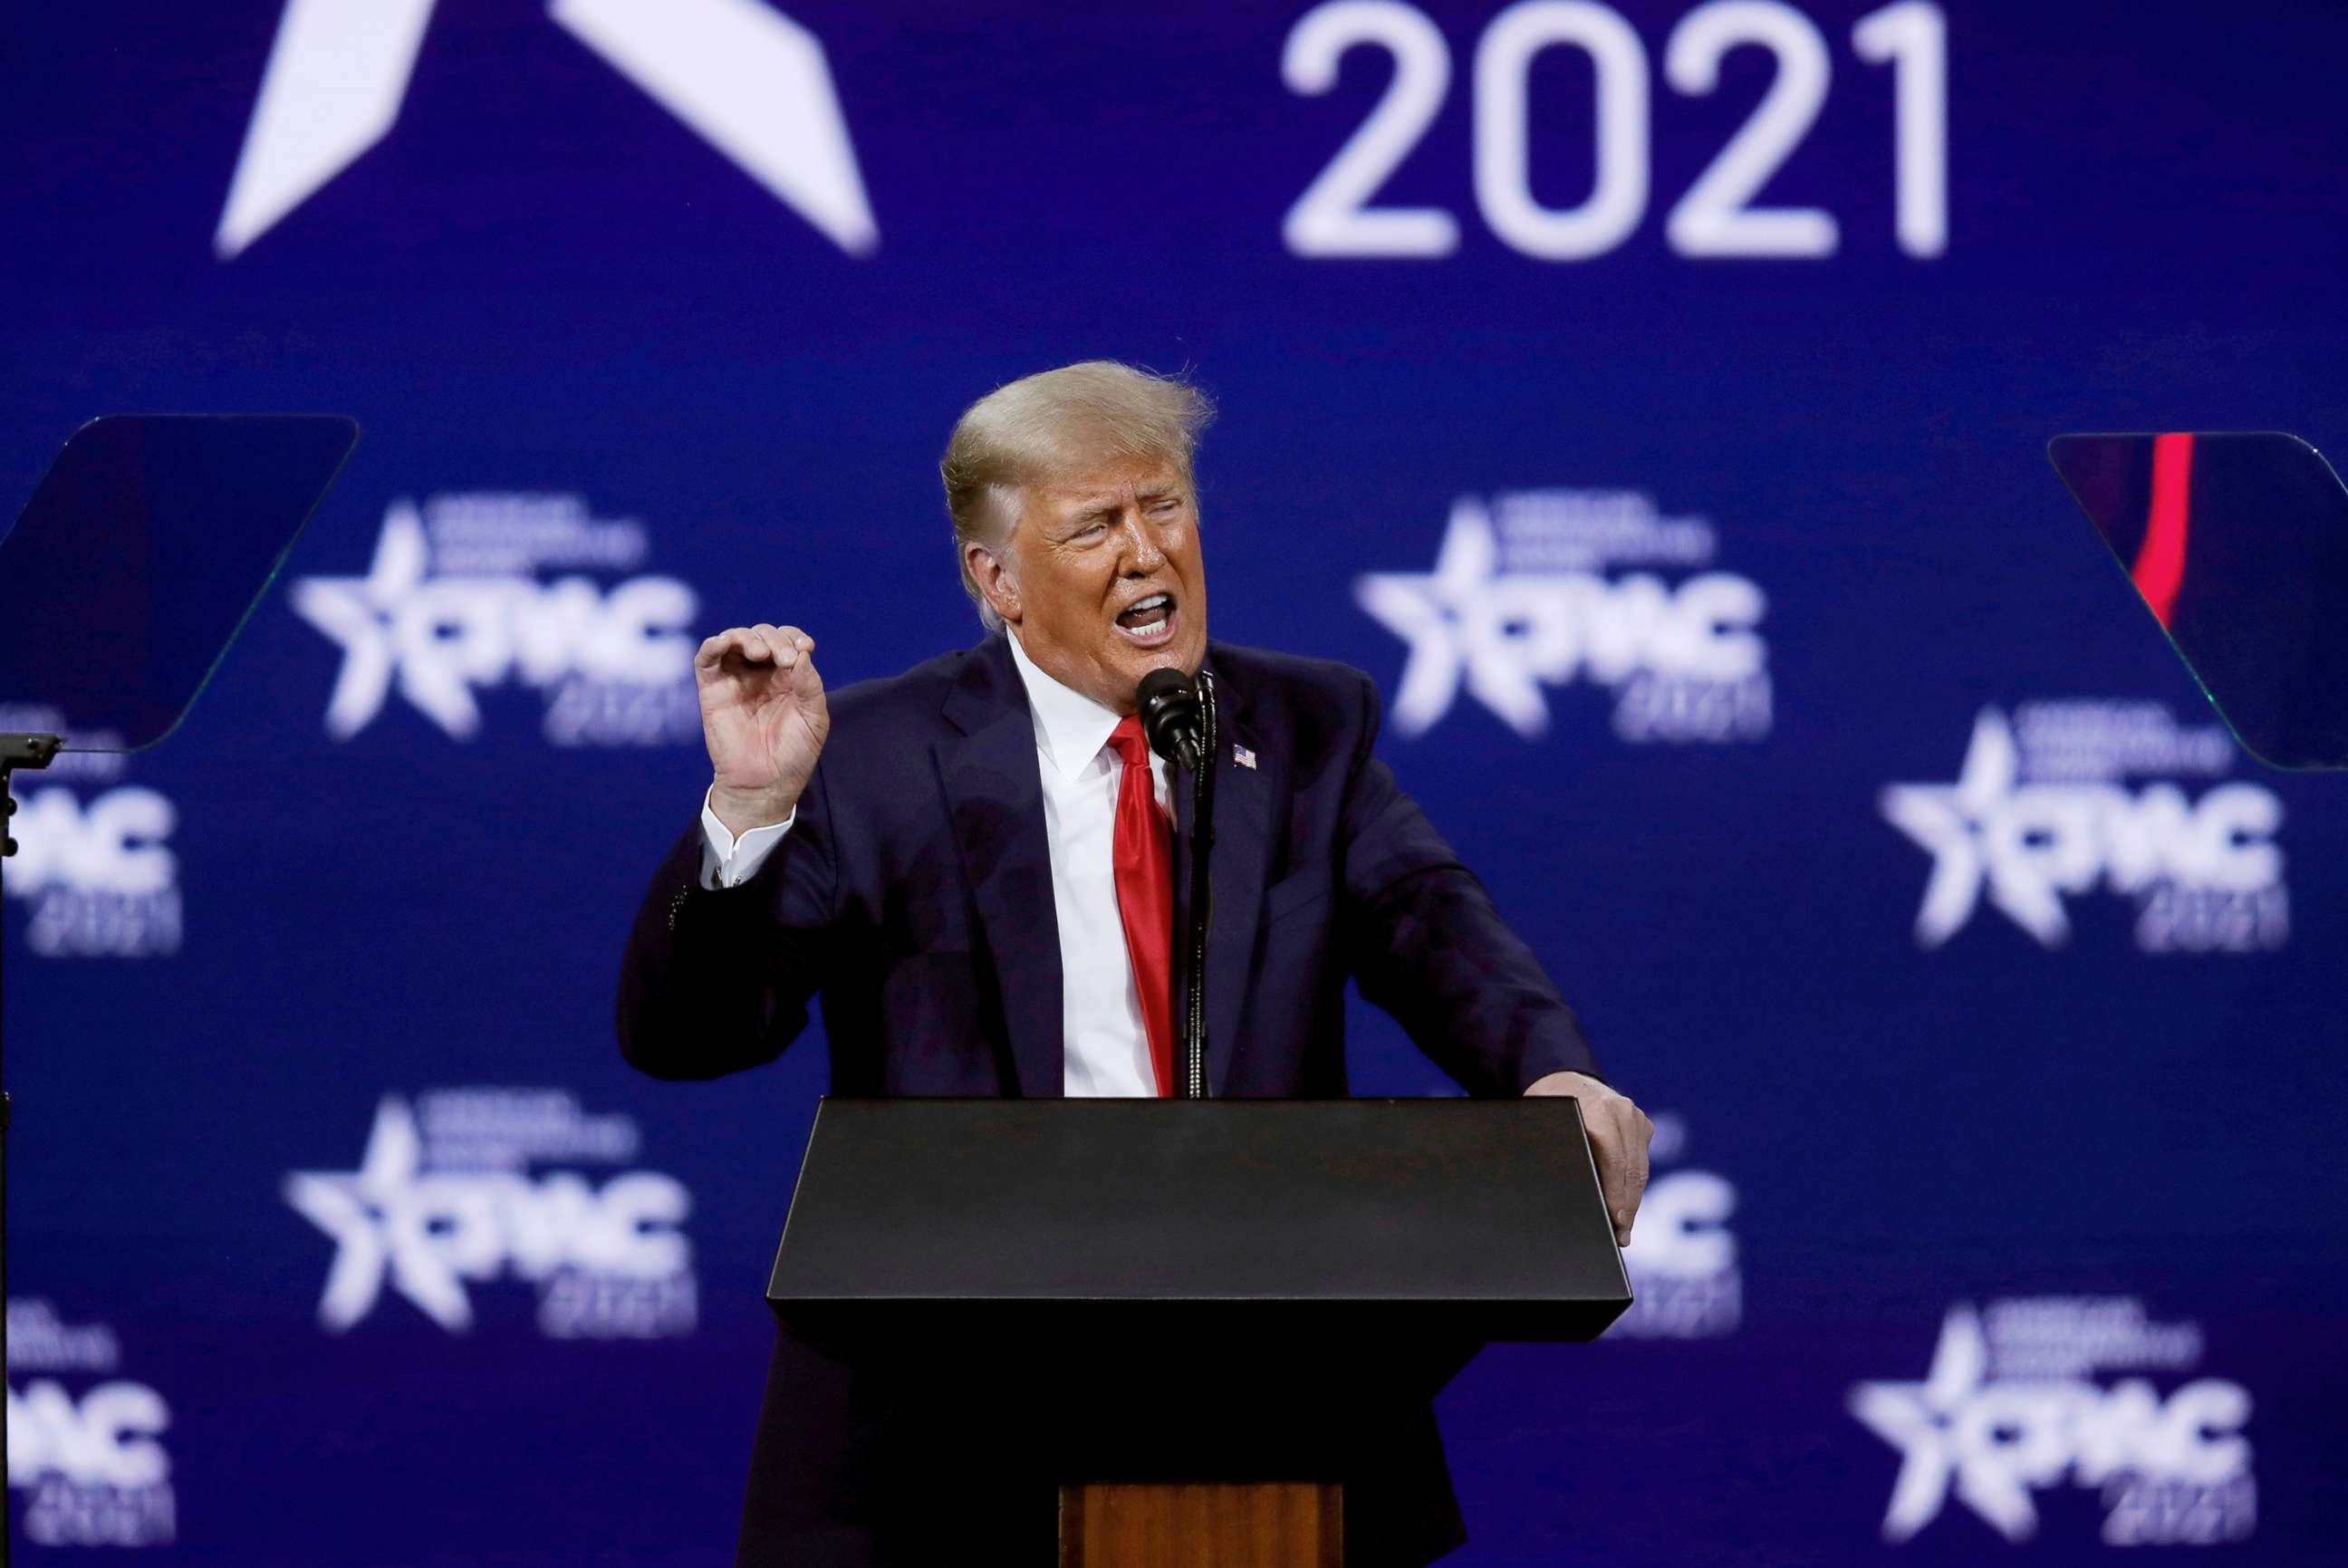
1243	755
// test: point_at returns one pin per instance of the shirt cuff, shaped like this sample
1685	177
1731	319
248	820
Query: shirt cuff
729	862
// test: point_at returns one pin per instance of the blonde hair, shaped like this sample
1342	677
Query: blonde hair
1052	423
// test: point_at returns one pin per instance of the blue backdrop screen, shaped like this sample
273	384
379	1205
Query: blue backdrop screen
1651	397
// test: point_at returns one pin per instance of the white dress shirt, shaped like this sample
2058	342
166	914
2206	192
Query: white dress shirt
1106	1051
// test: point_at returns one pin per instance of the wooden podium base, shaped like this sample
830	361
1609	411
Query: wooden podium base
1271	1524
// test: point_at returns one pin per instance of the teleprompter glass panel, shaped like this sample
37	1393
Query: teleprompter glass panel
145	546
2238	544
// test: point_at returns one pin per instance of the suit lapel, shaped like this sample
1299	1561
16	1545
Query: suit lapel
996	795
1243	798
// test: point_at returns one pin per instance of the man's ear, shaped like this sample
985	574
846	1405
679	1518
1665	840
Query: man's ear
992	575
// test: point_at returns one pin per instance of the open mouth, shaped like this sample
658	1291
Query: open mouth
1148	623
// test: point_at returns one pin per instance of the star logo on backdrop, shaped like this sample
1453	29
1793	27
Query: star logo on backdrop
2010	1407
1454	619
477	600
1933	1425
746	78
1542	598
443	1201
2042	812
364	616
1949	822
380	1223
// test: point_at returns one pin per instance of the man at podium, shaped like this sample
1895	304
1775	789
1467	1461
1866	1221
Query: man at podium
972	865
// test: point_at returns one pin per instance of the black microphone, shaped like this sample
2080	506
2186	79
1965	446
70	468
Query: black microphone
1170	717
1177	715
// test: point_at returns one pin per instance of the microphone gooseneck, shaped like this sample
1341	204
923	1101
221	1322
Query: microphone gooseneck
1177	717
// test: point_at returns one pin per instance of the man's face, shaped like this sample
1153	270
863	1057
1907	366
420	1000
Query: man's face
1104	580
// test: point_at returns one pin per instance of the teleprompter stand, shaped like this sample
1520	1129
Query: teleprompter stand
1210	1306
28	751
144	548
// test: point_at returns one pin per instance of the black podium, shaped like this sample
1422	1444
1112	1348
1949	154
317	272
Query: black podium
1295	1270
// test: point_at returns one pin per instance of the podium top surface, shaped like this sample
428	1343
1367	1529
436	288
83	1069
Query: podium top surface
1486	1214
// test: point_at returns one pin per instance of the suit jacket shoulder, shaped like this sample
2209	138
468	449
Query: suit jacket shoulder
1321	715
892	710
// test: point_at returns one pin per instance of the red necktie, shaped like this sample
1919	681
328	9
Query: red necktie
1143	853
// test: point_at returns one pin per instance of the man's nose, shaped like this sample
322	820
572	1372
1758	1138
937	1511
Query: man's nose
1143	553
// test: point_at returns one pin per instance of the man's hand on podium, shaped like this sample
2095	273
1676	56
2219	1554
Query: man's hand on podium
764	718
1619	1134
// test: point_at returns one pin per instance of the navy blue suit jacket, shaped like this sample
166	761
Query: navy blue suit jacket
913	895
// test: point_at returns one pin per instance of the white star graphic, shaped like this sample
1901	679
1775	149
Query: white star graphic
1455	624
371	618
746	77
1932	1425
1948	822
378	1219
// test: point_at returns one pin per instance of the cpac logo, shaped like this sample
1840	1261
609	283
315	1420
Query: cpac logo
1686	1282
104	1438
617	665
609	1261
747	78
2170	1470
96	1474
100	877
93	1466
1510	609
115	844
2206	872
